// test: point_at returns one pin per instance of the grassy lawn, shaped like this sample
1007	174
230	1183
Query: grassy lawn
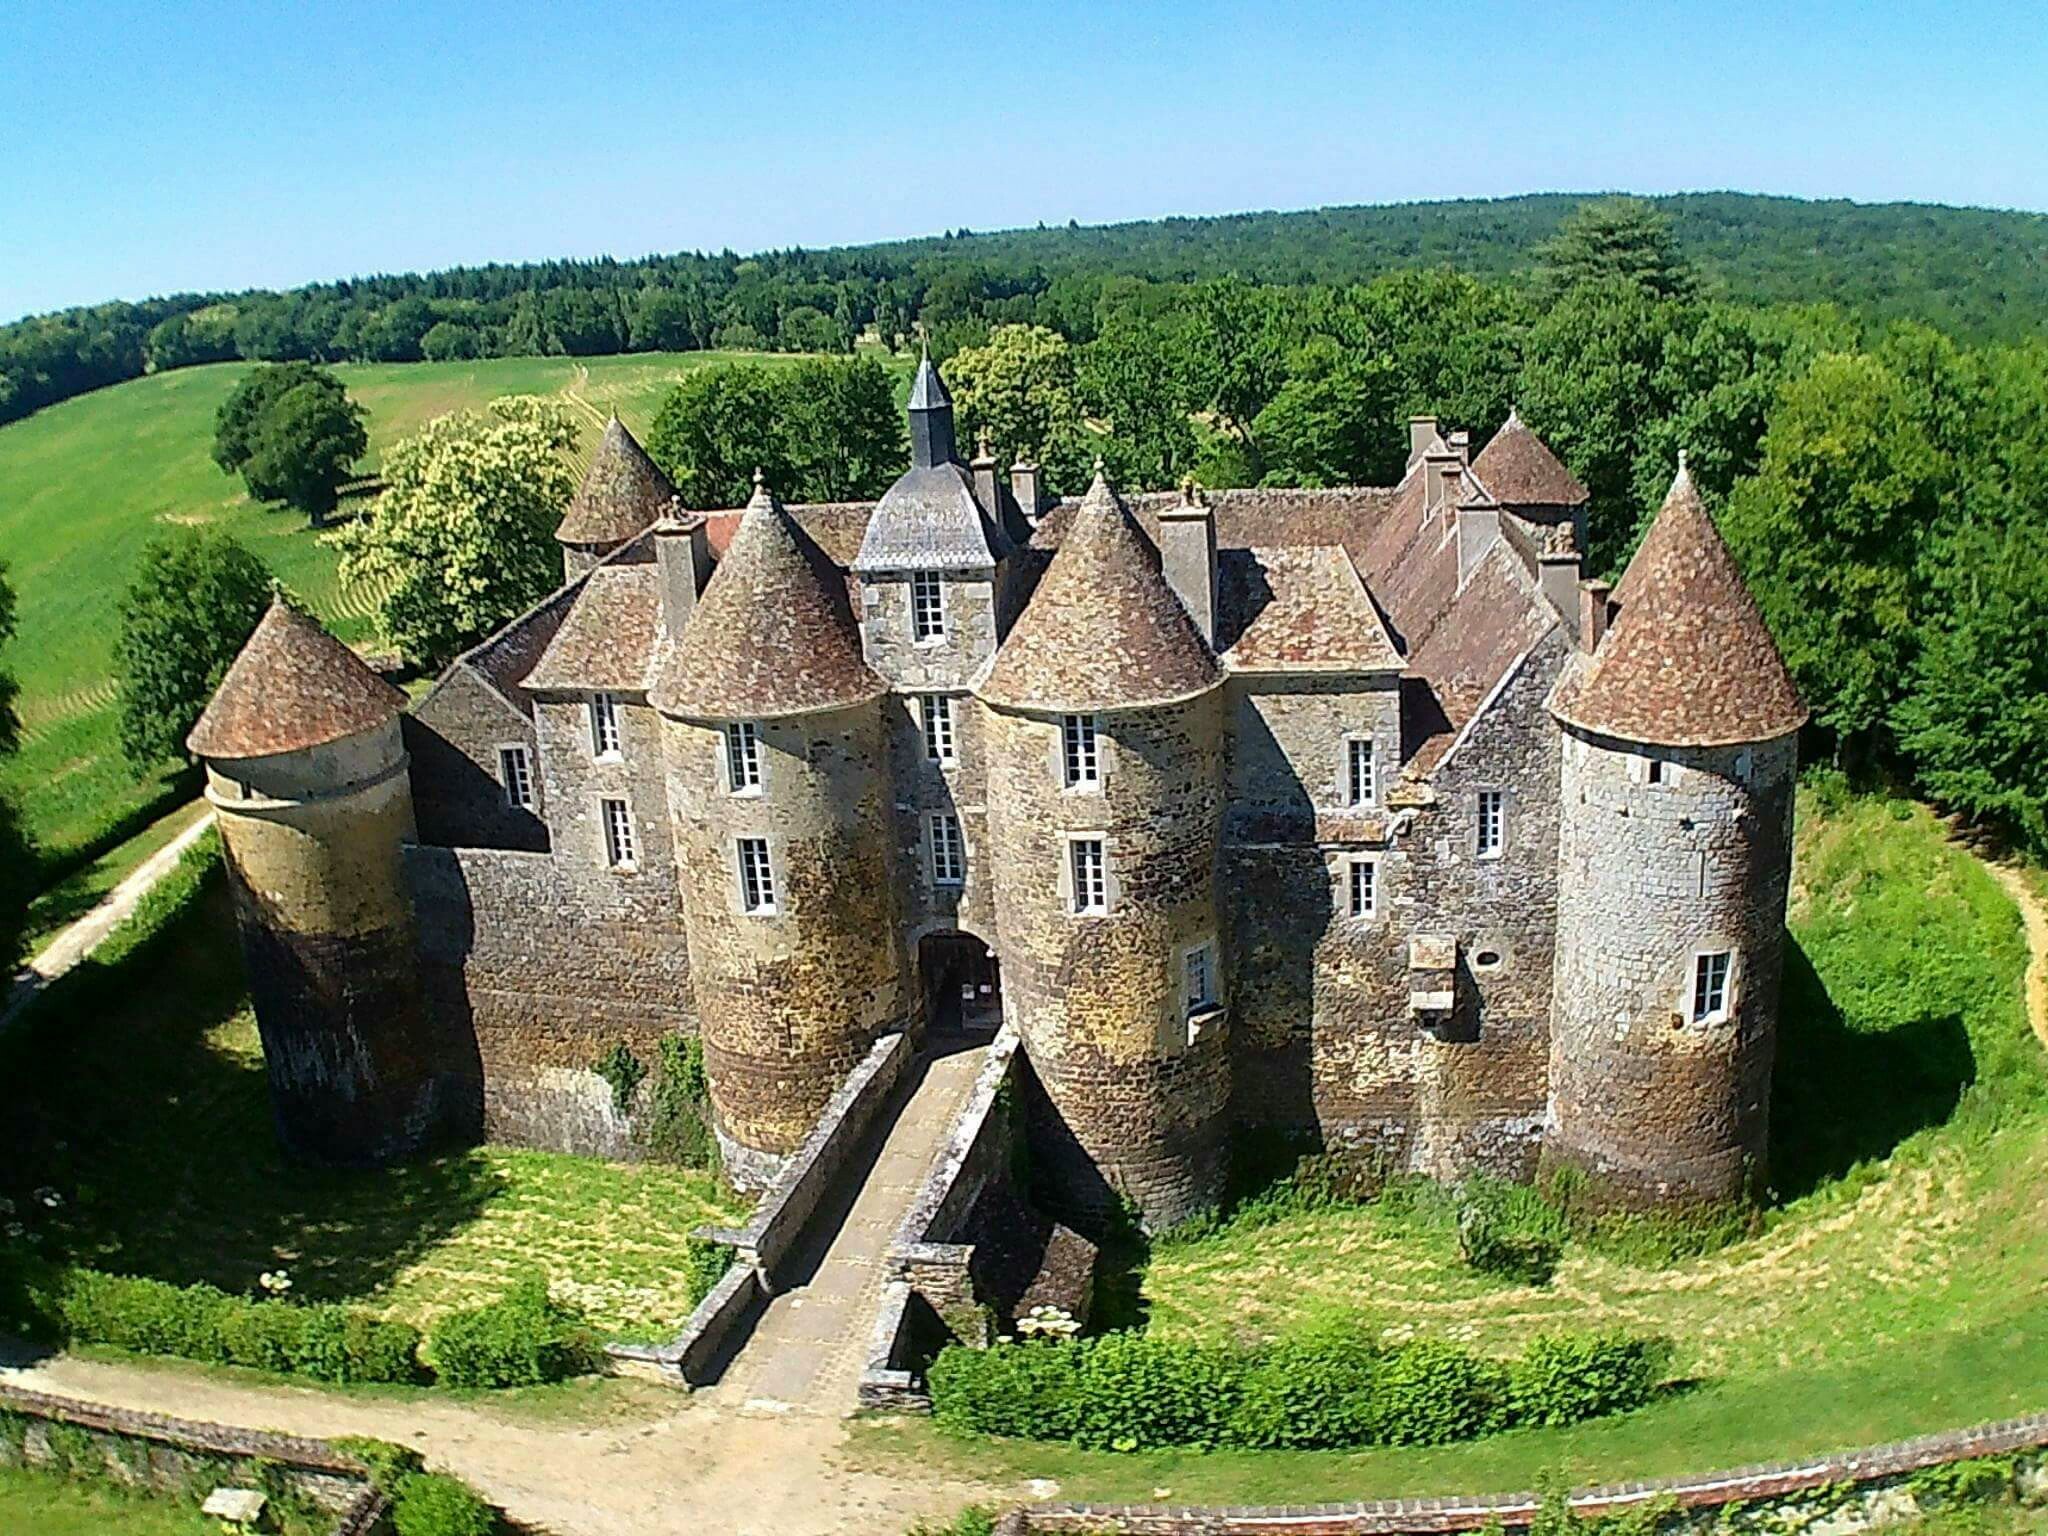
35	1502
1900	1285
152	1123
85	483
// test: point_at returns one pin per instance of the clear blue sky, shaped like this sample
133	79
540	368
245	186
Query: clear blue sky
161	146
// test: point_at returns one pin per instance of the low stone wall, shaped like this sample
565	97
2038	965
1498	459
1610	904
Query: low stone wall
718	1326
155	1454
890	1383
1862	1488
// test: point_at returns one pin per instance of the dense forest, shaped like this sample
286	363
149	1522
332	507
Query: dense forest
1977	275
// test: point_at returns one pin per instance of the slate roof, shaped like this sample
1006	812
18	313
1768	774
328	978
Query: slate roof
1521	471
772	634
293	686
1299	610
1688	661
1103	630
623	491
607	640
929	520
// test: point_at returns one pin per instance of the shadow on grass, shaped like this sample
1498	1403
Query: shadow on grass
156	1138
1841	1096
171	792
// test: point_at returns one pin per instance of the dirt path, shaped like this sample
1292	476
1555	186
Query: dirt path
2022	891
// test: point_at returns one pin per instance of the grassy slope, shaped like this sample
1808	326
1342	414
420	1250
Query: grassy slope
38	1503
1902	1293
84	483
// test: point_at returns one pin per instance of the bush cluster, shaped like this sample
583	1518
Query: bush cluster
423	1503
1329	1389
704	1265
523	1339
1507	1230
677	1122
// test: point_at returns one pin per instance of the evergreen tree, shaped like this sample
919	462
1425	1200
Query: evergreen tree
1615	239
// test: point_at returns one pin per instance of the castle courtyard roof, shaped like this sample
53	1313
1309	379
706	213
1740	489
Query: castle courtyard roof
1688	661
1521	471
1299	610
1103	630
772	633
293	686
607	640
623	491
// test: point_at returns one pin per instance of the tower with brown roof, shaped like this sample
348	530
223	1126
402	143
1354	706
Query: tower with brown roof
1105	798
1680	745
622	493
306	773
775	757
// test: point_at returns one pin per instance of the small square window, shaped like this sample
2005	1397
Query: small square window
927	606
515	772
1492	823
1080	758
618	833
948	849
742	757
604	725
1365	888
757	877
1361	778
936	713
1200	967
1710	987
1653	771
1090	875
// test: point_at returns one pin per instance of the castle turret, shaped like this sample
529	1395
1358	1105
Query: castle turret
1105	801
307	776
777	770
1674	854
622	492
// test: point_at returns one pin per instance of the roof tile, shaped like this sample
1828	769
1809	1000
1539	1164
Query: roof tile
1521	471
293	686
623	492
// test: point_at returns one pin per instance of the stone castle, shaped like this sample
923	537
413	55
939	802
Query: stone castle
1353	813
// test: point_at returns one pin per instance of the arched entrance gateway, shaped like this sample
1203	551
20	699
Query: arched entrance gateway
963	991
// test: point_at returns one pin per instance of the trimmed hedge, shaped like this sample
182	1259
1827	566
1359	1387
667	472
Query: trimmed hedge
522	1339
1331	1389
423	1503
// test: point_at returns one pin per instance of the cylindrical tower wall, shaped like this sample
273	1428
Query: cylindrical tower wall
1668	857
1134	1092
313	843
789	1000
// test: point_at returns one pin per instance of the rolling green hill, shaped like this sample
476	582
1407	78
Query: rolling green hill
84	483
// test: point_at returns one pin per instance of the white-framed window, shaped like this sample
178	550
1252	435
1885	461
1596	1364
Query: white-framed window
1198	967
1361	772
1089	868
935	713
1080	755
1710	986
1363	882
743	758
1491	826
618	833
948	848
604	725
515	772
927	606
757	878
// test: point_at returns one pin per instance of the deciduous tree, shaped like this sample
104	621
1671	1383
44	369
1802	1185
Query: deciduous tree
1021	390
294	435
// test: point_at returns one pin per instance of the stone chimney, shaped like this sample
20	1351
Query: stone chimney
1421	432
682	560
1478	530
987	489
1187	557
1557	569
1596	609
1026	488
1460	443
1441	471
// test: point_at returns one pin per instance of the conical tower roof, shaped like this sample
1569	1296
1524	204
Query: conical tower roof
1521	471
622	492
1688	661
1103	630
293	686
772	634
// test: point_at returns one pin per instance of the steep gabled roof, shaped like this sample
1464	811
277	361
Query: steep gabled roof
1688	661
1103	630
929	520
607	640
1299	609
293	686
772	634
622	492
1521	471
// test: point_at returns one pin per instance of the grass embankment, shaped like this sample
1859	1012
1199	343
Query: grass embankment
85	483
143	1107
1900	1286
39	1504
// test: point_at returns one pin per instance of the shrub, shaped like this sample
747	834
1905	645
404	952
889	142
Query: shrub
429	1504
340	1344
264	1335
704	1265
1430	1393
677	1123
1565	1377
1508	1230
149	1317
524	1338
624	1072
1315	1390
1136	1391
1024	1390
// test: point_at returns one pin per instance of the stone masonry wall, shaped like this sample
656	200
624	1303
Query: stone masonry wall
954	660
1134	1095
960	788
459	798
1654	1106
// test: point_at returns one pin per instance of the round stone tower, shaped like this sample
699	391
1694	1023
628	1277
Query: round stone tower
307	776
1105	804
778	781
1674	854
622	493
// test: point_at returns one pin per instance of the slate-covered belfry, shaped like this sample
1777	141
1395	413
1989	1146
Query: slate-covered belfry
1354	814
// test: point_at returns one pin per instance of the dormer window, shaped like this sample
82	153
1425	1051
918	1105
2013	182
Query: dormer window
927	607
1080	758
743	758
604	726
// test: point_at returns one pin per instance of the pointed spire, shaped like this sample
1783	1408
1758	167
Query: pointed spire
1521	471
931	417
1688	660
292	687
1104	630
622	492
772	633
